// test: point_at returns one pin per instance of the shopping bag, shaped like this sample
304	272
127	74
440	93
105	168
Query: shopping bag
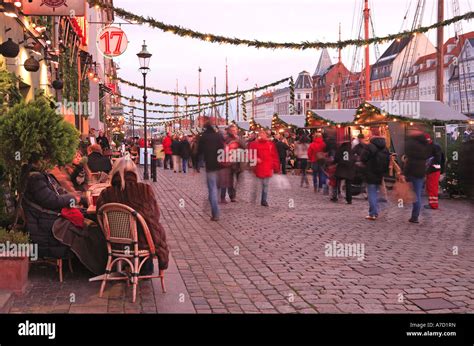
281	182
402	191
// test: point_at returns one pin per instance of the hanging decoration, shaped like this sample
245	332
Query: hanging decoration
279	125
244	108
174	93
174	106
254	126
207	37
292	97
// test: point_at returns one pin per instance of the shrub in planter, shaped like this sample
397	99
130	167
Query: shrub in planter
14	260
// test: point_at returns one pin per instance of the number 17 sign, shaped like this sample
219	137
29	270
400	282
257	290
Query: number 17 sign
112	41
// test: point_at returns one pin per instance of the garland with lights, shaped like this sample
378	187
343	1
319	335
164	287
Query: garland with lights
371	109
174	106
185	32
254	126
278	124
174	93
172	112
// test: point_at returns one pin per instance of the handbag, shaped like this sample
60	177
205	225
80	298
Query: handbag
402	191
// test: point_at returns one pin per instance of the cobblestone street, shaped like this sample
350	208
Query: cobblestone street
273	260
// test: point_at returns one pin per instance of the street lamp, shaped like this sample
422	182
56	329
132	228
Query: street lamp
144	58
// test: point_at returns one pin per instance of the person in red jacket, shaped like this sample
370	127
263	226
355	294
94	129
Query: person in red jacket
317	158
167	150
268	162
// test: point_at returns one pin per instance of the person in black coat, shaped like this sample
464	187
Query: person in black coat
96	161
42	202
103	141
345	170
210	145
176	154
466	165
376	158
185	152
417	152
282	149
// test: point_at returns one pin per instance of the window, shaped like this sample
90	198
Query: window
298	96
307	96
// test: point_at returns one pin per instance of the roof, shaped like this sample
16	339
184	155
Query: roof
429	110
336	115
296	120
304	81
323	64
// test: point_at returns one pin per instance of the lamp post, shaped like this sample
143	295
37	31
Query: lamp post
144	58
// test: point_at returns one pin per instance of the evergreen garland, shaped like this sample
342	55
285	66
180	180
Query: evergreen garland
185	32
244	108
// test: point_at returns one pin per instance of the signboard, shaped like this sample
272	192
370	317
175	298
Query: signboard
71	8
112	41
142	155
116	111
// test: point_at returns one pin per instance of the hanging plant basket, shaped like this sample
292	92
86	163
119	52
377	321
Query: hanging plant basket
31	65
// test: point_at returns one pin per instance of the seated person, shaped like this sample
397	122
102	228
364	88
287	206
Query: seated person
42	203
126	189
96	161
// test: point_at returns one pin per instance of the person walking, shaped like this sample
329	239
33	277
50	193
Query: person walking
231	168
376	158
282	148
168	152
268	162
434	169
209	147
317	158
176	154
345	170
185	152
417	152
301	153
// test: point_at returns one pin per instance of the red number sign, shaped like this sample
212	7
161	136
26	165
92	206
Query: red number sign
112	41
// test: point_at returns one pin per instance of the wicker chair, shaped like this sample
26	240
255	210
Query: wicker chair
119	224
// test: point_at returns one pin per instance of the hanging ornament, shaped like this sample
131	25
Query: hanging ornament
9	49
31	64
58	84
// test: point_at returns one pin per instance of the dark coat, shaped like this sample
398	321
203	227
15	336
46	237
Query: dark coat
436	158
210	144
99	163
140	197
345	161
377	146
185	150
466	166
417	151
282	149
103	142
44	192
176	147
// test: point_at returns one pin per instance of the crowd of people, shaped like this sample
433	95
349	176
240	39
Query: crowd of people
359	166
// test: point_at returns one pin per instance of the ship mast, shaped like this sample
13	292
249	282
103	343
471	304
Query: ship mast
226	94
339	74
367	55
440	54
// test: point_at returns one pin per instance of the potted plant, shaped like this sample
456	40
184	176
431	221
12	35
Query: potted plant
15	251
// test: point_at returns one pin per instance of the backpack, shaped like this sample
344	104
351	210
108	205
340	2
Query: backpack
381	161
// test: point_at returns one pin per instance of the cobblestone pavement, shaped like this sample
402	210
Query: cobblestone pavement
258	259
273	260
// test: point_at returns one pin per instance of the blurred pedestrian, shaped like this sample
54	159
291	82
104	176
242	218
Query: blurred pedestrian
417	152
376	157
268	162
167	150
282	148
185	152
209	146
176	154
345	161
317	157
301	152
434	169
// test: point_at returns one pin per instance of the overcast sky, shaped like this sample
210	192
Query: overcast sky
175	58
